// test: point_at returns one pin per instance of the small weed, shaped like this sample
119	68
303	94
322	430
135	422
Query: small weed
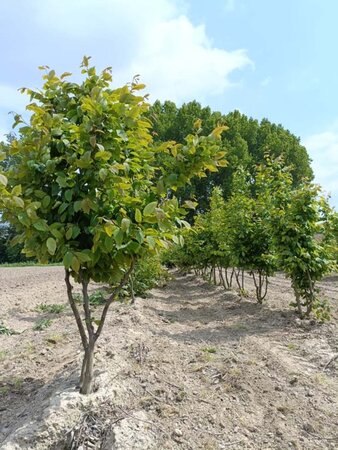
244	293
235	372
292	346
209	350
51	309
97	298
240	326
3	354
320	378
30	348
55	338
77	298
17	383
4	390
42	324
6	331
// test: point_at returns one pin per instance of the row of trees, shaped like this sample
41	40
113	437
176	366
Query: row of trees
266	224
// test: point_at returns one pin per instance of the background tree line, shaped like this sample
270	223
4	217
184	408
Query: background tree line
246	142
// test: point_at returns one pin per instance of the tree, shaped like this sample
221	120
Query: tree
301	229
91	191
246	143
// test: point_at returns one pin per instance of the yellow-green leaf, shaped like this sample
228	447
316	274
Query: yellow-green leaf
138	216
51	245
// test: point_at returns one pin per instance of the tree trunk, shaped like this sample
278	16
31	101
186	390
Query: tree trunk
132	293
87	368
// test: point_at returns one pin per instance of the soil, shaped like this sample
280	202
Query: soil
190	367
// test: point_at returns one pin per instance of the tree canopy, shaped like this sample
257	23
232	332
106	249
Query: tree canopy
246	142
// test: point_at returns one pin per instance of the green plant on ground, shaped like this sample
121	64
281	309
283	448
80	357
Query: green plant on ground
6	331
51	309
42	324
209	349
97	298
3	354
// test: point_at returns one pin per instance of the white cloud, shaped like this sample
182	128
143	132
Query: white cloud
153	38
323	149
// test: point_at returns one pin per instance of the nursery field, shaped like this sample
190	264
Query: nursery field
190	367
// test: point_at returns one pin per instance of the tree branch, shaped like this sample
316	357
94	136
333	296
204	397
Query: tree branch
75	310
111	299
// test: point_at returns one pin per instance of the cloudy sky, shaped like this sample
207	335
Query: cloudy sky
274	59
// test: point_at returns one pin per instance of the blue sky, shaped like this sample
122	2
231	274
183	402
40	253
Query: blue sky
267	58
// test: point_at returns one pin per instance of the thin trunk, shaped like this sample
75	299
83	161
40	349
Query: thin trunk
221	277
87	381
266	287
88	335
237	279
231	277
309	303
132	293
243	279
214	275
298	302
75	310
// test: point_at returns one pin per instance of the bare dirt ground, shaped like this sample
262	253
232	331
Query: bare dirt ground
191	367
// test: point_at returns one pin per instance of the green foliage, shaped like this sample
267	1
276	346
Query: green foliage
42	324
8	253
89	187
6	331
148	273
300	221
245	143
50	309
85	170
97	298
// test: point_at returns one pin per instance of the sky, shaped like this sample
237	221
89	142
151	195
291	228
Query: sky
274	59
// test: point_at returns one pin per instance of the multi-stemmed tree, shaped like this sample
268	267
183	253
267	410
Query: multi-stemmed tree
90	187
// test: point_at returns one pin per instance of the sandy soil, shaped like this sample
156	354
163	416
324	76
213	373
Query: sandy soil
191	367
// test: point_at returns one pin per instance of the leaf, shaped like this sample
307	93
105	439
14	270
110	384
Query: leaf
24	219
69	233
103	154
149	209
92	141
151	242
56	233
197	124
41	225
86	205
190	204
138	216
139	236
16	190
18	201
69	195
51	245
118	236
75	264
83	256
45	201
77	205
109	228
67	259
125	224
